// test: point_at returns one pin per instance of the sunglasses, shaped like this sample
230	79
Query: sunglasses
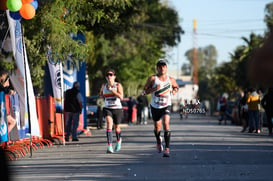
110	74
3	81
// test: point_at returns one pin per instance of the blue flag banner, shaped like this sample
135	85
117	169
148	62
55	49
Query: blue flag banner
56	75
69	73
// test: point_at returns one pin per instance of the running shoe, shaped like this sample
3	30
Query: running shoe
257	131
166	152
109	149
118	145
159	147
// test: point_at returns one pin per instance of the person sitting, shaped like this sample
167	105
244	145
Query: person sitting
6	88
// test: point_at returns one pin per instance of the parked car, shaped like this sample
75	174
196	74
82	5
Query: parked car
92	111
124	103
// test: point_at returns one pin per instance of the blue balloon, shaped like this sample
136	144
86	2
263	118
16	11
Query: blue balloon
34	3
15	15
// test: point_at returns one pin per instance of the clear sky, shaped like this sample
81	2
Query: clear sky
221	23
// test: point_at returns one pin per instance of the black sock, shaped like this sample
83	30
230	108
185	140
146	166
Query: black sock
157	136
167	137
118	135
109	136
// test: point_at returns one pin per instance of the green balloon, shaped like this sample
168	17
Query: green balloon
14	5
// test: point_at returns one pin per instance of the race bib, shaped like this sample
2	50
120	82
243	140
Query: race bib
111	102
161	100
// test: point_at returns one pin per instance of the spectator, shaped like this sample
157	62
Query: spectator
253	102
223	106
267	104
5	87
183	108
142	109
238	107
261	111
131	103
244	111
100	103
73	108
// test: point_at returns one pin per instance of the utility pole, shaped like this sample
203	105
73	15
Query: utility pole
195	55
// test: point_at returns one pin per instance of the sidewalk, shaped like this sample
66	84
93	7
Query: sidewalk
201	150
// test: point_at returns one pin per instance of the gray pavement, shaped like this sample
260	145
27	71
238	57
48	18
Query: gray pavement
201	150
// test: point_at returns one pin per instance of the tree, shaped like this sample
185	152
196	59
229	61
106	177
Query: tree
269	16
207	59
186	69
233	76
150	26
54	25
125	35
241	59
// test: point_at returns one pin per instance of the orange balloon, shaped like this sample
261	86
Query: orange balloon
27	11
3	5
26	1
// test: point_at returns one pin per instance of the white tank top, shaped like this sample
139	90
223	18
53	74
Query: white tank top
162	97
110	100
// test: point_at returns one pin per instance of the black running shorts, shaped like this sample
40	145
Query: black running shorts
116	114
157	114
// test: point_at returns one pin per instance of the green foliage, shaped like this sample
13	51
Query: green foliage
133	51
207	59
54	25
126	35
7	62
241	58
230	76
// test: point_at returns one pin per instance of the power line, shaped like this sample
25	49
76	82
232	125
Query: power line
224	25
224	20
230	31
238	36
219	36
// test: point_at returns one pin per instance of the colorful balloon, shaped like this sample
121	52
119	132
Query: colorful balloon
14	5
34	3
26	1
27	11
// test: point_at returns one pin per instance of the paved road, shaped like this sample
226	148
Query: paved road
201	150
